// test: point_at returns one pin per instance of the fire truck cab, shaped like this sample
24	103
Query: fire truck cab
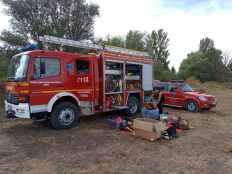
62	86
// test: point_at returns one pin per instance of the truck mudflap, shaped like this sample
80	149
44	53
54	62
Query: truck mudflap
21	110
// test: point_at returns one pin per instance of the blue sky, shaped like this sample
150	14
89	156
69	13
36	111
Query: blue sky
210	5
186	21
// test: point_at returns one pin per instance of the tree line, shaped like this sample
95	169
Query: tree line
207	63
75	20
156	44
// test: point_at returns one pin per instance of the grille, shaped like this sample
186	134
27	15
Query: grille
211	99
11	98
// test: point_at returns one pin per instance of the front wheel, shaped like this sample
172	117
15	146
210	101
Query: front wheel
192	106
133	105
64	115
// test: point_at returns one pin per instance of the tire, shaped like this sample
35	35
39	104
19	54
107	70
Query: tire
65	115
192	106
133	106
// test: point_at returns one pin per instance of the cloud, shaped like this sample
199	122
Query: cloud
4	19
117	17
186	21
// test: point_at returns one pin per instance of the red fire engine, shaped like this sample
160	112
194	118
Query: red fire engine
62	86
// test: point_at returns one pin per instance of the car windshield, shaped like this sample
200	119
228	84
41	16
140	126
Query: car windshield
18	68
186	88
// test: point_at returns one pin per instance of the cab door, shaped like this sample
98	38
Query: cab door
45	81
85	84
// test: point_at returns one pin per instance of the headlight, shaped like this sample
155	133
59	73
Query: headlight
202	98
23	99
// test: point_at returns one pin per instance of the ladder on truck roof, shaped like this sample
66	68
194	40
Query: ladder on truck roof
85	45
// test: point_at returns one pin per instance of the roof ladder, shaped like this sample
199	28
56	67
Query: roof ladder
86	45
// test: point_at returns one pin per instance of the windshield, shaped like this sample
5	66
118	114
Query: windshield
186	88
18	68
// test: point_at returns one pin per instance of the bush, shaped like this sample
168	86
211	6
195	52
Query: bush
162	73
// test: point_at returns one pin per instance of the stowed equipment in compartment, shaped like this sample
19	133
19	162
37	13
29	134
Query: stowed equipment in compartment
113	84
133	77
113	77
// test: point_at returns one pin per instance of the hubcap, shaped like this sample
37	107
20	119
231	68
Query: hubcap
132	107
191	106
66	116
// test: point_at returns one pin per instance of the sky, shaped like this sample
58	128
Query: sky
186	21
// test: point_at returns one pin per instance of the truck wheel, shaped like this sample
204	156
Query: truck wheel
133	105
192	106
64	115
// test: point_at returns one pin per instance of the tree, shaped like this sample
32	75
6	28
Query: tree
71	19
195	66
206	44
159	41
6	52
134	40
205	64
13	39
162	73
173	70
157	46
117	41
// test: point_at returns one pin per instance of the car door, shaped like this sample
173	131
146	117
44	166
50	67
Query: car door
169	95
172	95
180	98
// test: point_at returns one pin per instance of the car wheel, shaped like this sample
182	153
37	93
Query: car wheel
192	106
64	115
133	105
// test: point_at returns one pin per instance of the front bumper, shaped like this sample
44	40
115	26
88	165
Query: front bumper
208	105
22	110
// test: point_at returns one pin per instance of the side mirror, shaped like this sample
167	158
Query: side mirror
174	89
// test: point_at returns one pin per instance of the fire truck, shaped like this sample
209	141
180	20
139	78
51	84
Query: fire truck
62	86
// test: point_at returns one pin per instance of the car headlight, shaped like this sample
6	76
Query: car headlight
202	98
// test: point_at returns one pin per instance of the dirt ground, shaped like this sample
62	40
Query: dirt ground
95	148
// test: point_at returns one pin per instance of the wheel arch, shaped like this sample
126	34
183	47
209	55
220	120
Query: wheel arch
192	99
64	96
136	95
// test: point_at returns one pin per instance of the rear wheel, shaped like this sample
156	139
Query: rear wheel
64	115
133	105
192	106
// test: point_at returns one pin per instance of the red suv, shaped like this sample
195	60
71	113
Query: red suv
180	94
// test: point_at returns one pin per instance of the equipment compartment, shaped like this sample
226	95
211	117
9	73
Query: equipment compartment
114	77
133	77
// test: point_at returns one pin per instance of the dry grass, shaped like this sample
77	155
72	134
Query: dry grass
95	148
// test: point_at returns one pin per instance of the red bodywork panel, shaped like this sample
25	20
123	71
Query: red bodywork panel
87	87
179	98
